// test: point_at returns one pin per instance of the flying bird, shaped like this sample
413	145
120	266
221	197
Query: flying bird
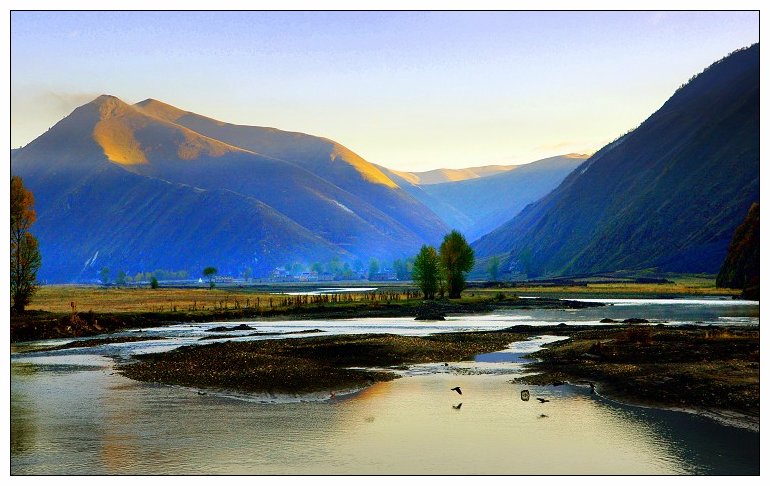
542	400
457	407
457	389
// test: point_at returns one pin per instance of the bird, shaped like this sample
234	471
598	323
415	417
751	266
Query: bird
201	392
593	387
542	400
542	415
332	395
457	407
457	389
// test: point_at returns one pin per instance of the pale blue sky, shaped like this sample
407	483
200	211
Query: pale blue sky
409	90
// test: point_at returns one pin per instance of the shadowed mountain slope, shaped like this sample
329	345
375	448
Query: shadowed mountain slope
320	156
667	195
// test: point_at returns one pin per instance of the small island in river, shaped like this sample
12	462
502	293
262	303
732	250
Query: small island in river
713	371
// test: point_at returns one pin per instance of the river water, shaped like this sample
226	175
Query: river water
72	414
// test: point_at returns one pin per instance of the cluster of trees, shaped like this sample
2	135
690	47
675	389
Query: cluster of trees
443	271
345	271
121	278
25	253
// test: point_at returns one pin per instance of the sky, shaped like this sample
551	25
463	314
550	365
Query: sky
408	90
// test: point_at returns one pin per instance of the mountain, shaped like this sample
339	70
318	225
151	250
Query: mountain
146	192
667	195
740	269
320	156
478	205
437	176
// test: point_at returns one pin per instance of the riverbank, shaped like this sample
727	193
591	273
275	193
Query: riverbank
35	325
307	365
710	371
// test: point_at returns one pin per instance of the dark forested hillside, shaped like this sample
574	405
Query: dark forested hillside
667	195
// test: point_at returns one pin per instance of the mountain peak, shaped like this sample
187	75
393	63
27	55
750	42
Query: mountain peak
109	106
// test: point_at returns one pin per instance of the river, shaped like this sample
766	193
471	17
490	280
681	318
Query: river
72	414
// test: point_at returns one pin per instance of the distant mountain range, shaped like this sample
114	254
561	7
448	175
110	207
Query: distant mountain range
437	176
667	195
150	186
479	204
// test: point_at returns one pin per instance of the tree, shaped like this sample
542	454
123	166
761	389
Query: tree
358	266
426	271
334	267
121	278
25	254
347	273
401	268
209	273
104	275
457	258
374	268
154	283
493	267
441	283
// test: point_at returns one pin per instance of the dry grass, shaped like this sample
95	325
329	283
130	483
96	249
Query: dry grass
690	286
58	298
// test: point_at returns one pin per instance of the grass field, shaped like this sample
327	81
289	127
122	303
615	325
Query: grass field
686	285
58	298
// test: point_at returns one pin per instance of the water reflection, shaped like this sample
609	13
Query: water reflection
112	425
23	426
72	414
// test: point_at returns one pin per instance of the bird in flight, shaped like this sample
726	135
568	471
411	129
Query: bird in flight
542	400
457	407
457	389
